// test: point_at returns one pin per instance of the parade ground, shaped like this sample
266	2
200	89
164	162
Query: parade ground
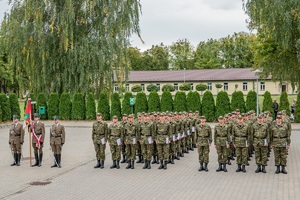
77	179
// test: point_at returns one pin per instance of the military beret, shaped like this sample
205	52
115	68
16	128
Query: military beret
115	117
221	117
36	115
16	117
99	114
202	117
56	117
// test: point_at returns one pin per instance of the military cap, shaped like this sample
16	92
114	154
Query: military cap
278	117
202	117
124	115
170	115
115	117
180	113
190	111
16	117
36	115
145	114
155	114
226	116
56	117
233	113
283	112
197	111
260	116
240	117
99	114
237	110
220	117
130	116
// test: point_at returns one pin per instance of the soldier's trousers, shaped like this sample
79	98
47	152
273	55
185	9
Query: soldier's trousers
56	148
155	151
178	146
100	151
16	147
241	155
183	143
37	150
280	154
123	148
138	149
231	149
130	151
222	152
173	149
193	138
115	152
261	155
163	151
203	153
188	140
147	151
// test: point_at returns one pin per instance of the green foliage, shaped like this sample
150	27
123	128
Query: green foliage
90	107
103	106
222	104
141	104
251	101
218	85
126	107
78	107
136	88
153	102
297	109
182	54
268	103
166	101
197	96
201	87
152	87
42	102
0	112
168	87
65	106
155	58
14	104
238	101
208	106
180	102
135	58
115	105
193	101
185	87
5	107
284	103
53	105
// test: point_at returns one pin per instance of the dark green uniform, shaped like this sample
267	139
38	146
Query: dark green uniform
222	138
146	141
38	135
99	137
130	136
16	140
163	138
57	140
115	133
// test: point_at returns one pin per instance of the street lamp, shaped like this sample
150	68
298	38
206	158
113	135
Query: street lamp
257	73
184	75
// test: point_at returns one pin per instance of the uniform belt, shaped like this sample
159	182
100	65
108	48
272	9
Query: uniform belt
222	136
241	136
281	137
57	136
259	138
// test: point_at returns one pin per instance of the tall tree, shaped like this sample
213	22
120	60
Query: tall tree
103	106
126	107
193	101
208	106
153	102
135	58
115	105
180	102
53	105
284	103
166	101
141	104
65	106
238	101
78	107
182	55
222	104
90	107
251	101
155	58
268	103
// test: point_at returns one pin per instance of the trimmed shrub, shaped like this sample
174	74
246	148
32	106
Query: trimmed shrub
53	105
166	101
152	87
185	87
5	108
103	106
78	107
42	102
153	102
238	101
297	109
136	88
222	104
90	107
251	101
268	103
141	104
284	103
0	113
201	87
65	106
192	101
180	102
208	106
115	105
168	87
14	105
218	85
197	97
126	107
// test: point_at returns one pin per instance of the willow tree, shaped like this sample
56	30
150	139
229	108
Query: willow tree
69	45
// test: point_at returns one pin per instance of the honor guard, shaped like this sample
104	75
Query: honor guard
16	139
57	140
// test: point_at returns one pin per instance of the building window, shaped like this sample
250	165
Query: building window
225	86
245	86
158	86
262	86
143	87
176	86
209	86
127	87
116	88
192	86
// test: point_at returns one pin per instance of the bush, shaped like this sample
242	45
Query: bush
65	106
284	103
185	87
136	88
42	102
5	108
141	104
268	103
197	97
103	106
153	102
115	105
297	109
238	101
201	87
180	102
166	101
251	101
90	107
222	104
126	107
78	107
0	113
14	105
193	101
218	85
152	87
168	87
208	106
53	105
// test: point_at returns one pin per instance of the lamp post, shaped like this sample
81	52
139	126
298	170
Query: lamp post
257	73
184	75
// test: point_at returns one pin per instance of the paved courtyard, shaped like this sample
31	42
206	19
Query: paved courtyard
77	179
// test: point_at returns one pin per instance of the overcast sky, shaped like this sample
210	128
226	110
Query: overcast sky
196	20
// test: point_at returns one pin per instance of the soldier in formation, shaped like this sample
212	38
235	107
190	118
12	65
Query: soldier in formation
16	140
57	140
37	129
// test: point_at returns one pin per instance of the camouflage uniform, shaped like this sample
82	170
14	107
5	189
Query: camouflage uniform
130	136
172	142
99	137
115	132
146	136
163	148
221	138
16	140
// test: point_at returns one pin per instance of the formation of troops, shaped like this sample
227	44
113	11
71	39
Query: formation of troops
162	138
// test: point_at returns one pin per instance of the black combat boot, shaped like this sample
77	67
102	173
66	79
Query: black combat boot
192	147
201	167
224	167
129	164
146	164
18	159
243	168
283	169
182	153
139	160
124	159
15	160
113	165
205	167
263	169
177	156
161	165
154	160
98	165
165	165
172	159
102	164
40	159
118	164
220	168
232	158
169	161
55	161
142	160
186	150
36	156
132	164
277	169
239	168
258	169
59	160
149	166
228	161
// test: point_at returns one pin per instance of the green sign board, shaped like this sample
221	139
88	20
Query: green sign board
131	101
42	110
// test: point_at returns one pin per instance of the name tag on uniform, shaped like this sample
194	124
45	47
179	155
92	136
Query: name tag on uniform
193	128
103	141
119	141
